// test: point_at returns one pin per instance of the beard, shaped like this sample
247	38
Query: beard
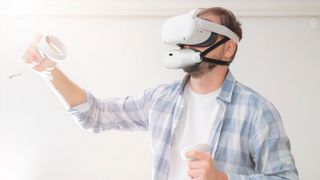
199	69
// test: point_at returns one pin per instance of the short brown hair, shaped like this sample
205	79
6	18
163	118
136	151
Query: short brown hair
227	19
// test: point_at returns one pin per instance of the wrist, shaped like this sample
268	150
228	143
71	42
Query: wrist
54	70
48	73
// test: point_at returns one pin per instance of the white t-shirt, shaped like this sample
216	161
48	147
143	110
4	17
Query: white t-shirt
194	128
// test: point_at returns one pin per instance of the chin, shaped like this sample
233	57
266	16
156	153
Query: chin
194	71
198	70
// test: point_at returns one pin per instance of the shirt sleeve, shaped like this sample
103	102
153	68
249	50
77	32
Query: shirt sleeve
123	114
270	148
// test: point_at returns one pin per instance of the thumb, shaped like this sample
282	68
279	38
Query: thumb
198	155
37	37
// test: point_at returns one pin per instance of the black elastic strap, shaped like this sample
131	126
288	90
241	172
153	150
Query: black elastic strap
216	61
225	39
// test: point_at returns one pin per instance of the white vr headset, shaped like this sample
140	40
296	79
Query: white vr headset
188	29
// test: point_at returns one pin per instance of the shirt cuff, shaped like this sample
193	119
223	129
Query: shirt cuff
235	177
83	107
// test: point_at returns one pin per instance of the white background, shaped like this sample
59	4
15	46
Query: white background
115	50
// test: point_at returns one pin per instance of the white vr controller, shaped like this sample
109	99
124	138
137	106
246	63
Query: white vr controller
52	50
198	147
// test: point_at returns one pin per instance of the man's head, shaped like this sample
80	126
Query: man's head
227	50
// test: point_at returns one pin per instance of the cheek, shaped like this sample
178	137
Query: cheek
217	53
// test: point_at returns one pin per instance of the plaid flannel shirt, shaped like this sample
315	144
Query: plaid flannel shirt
248	139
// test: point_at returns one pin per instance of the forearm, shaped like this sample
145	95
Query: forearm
70	92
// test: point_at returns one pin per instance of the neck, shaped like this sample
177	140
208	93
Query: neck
210	81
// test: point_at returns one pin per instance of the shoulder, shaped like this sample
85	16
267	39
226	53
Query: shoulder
247	96
263	111
164	91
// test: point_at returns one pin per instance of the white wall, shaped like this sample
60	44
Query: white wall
116	51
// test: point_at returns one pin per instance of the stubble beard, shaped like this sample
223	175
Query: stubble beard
198	70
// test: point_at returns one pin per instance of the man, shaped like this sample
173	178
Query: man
244	130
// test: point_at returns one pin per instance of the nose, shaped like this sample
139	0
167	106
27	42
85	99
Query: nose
184	46
190	47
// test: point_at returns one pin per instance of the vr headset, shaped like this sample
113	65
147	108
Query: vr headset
188	29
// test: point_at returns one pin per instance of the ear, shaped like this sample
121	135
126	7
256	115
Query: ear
229	49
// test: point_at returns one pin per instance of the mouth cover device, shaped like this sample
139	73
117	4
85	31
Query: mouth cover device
188	29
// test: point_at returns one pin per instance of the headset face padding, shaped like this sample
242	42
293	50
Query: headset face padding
211	40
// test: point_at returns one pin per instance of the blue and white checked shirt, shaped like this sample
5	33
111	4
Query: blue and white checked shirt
248	140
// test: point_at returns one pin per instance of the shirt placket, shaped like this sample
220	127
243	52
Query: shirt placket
217	128
175	121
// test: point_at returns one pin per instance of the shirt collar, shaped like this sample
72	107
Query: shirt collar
226	88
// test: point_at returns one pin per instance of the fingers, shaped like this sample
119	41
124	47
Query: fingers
37	37
194	173
198	164
32	55
35	60
44	65
198	155
203	161
202	167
